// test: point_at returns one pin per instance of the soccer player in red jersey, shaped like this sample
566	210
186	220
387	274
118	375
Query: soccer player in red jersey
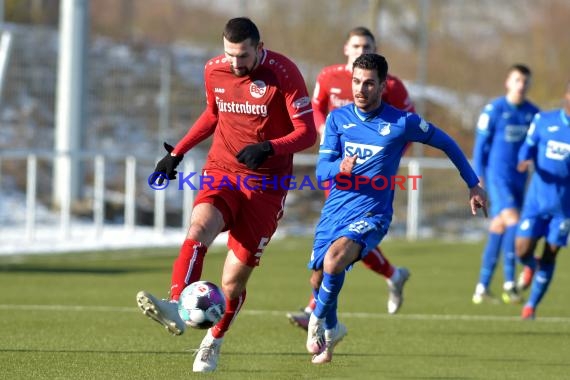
333	86
259	112
333	89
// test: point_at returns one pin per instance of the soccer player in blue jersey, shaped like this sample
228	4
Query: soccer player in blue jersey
333	89
546	210
360	152
501	130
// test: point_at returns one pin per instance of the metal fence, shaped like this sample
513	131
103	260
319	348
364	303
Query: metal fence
137	97
437	207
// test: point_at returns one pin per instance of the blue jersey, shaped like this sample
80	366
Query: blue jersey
501	130
378	139
548	145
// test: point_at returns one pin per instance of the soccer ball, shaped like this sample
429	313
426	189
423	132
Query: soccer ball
201	305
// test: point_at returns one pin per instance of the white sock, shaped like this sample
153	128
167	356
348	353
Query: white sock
313	318
395	277
480	289
508	285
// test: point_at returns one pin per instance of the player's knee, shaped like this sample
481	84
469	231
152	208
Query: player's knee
334	263
510	217
200	232
206	223
523	247
497	226
233	289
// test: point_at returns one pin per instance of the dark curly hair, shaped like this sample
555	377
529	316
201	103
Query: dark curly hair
372	61
240	29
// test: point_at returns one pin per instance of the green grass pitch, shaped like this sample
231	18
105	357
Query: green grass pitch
74	316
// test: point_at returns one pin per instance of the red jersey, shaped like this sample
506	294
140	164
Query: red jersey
271	103
334	89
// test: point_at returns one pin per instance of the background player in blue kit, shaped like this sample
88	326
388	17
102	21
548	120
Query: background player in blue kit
363	140
501	130
546	211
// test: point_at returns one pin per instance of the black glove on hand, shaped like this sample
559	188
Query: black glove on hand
255	154
166	166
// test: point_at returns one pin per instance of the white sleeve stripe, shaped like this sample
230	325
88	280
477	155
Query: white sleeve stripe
328	151
302	113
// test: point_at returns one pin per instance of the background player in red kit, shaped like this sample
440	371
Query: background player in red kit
259	111
333	89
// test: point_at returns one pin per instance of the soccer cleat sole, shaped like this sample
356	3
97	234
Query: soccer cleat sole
301	322
149	309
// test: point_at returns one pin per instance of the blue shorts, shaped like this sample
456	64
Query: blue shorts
367	231
505	194
554	229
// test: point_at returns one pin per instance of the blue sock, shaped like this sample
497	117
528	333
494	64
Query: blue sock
328	294
509	262
331	318
489	260
540	284
528	261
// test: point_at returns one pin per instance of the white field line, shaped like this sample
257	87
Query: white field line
422	317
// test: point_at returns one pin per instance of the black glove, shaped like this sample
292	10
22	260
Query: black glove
166	166
255	154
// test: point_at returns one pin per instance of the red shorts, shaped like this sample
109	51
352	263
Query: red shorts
250	216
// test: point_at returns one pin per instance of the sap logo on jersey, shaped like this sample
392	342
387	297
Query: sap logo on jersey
556	150
257	89
363	151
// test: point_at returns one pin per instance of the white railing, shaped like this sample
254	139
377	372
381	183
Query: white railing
16	235
134	185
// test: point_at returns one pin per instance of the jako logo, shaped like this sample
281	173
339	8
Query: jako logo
363	151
